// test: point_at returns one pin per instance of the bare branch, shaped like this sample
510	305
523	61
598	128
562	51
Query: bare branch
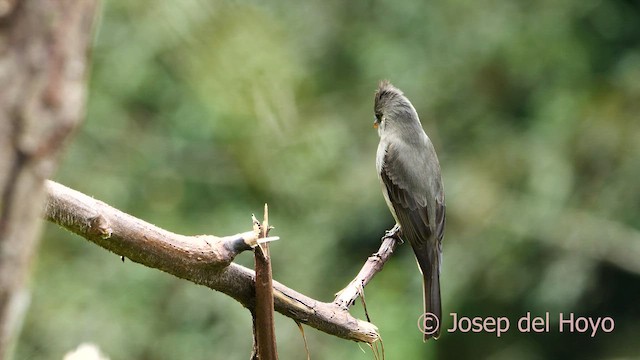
347	296
263	318
205	260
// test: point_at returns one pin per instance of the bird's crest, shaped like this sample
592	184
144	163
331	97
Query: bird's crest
384	94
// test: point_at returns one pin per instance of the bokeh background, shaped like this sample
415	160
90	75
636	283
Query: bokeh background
201	111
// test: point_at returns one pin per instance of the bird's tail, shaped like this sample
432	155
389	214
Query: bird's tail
432	303
429	264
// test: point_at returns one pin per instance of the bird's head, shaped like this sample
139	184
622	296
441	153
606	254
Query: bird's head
392	109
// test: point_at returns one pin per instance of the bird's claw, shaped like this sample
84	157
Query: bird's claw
393	233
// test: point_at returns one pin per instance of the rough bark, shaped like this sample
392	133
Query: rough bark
43	61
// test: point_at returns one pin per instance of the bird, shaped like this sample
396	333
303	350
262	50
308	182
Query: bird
411	181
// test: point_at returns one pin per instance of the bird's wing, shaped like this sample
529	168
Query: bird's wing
419	211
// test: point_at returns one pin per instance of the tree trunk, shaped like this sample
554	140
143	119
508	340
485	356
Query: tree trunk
43	65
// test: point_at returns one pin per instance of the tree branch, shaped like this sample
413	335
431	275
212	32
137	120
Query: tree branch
347	296
205	260
264	329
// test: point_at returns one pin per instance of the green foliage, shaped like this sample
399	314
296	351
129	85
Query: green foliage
199	112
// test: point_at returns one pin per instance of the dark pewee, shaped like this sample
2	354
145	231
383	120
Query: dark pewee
409	173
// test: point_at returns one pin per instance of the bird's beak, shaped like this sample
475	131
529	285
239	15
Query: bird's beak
375	124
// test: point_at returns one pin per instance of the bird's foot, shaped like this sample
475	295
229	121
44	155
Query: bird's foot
394	233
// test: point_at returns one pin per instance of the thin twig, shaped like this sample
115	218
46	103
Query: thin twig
347	296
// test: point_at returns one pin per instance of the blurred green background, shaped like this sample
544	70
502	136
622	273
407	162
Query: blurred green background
201	111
